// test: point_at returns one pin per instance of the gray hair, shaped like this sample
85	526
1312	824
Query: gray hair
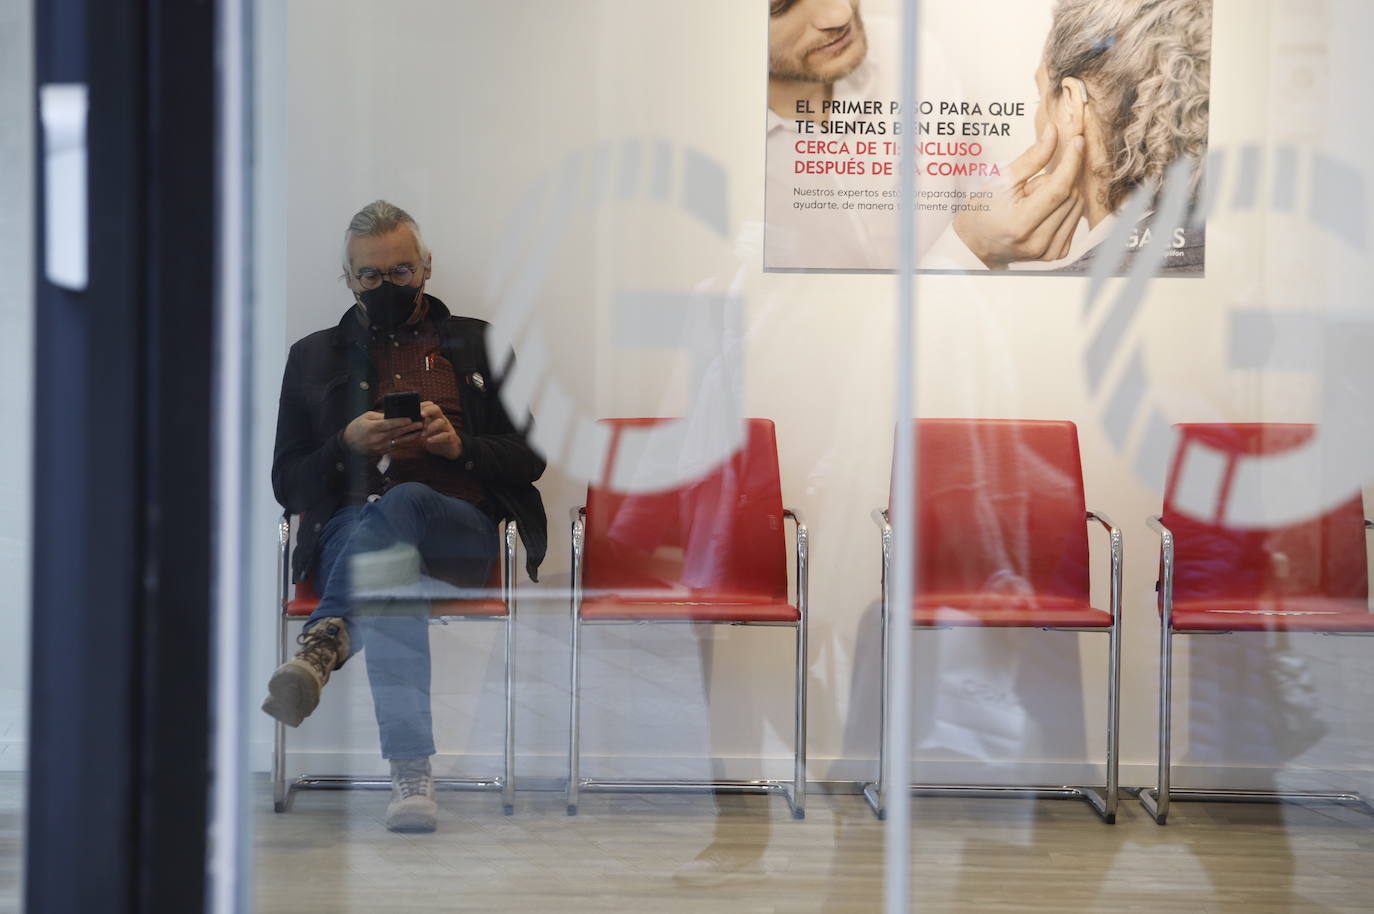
1148	66
378	218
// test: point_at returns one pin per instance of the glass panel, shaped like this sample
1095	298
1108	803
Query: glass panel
1200	352
16	377
593	192
706	329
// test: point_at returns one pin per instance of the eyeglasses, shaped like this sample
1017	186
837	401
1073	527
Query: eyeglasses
400	275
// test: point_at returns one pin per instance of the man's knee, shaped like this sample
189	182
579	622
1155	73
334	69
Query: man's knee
404	503
407	493
405	509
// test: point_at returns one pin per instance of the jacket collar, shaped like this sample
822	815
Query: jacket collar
350	330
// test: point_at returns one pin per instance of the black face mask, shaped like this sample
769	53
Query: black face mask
389	306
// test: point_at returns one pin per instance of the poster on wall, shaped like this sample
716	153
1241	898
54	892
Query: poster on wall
1050	135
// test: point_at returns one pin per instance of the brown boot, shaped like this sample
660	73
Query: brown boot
294	690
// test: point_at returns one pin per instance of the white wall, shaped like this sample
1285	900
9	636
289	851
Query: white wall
16	371
474	103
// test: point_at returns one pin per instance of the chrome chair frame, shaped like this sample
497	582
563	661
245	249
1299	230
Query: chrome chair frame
1156	799
282	791
1103	799
795	794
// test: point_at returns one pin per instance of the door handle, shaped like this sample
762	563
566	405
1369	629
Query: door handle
62	110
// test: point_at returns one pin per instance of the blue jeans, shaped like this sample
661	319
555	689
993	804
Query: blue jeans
445	530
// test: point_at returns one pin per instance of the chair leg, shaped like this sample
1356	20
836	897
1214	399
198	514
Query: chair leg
1158	804
799	751
574	712
508	781
1166	717
278	767
1113	721
279	734
876	793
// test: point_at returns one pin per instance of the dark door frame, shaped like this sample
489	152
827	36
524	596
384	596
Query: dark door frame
120	707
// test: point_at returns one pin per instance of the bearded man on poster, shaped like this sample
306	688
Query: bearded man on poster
827	63
383	499
817	55
812	45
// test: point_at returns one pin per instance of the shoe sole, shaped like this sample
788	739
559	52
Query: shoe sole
292	694
411	822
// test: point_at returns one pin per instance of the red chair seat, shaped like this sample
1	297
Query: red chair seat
307	598
1308	576
972	610
1295	614
491	608
714	610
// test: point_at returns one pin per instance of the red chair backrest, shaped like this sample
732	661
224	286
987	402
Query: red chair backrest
1000	508
720	537
1213	561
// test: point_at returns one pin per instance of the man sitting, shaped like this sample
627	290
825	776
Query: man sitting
381	498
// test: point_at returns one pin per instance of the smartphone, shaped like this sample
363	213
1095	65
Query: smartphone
403	405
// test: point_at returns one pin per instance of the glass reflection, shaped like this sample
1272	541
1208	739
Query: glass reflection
632	286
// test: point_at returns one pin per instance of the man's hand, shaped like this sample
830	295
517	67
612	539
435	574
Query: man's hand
1034	218
439	436
372	435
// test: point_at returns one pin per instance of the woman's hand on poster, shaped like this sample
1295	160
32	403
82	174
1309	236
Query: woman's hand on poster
1033	218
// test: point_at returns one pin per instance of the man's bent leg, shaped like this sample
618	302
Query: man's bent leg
359	549
294	690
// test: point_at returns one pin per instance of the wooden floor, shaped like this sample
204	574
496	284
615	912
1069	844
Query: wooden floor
331	853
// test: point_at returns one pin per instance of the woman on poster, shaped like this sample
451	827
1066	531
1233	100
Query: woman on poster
1124	94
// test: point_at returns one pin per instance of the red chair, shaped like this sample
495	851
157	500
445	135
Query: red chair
495	602
1002	542
710	552
1217	578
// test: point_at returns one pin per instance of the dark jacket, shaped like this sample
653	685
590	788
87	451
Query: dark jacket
327	384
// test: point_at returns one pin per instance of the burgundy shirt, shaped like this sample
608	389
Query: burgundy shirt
406	360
